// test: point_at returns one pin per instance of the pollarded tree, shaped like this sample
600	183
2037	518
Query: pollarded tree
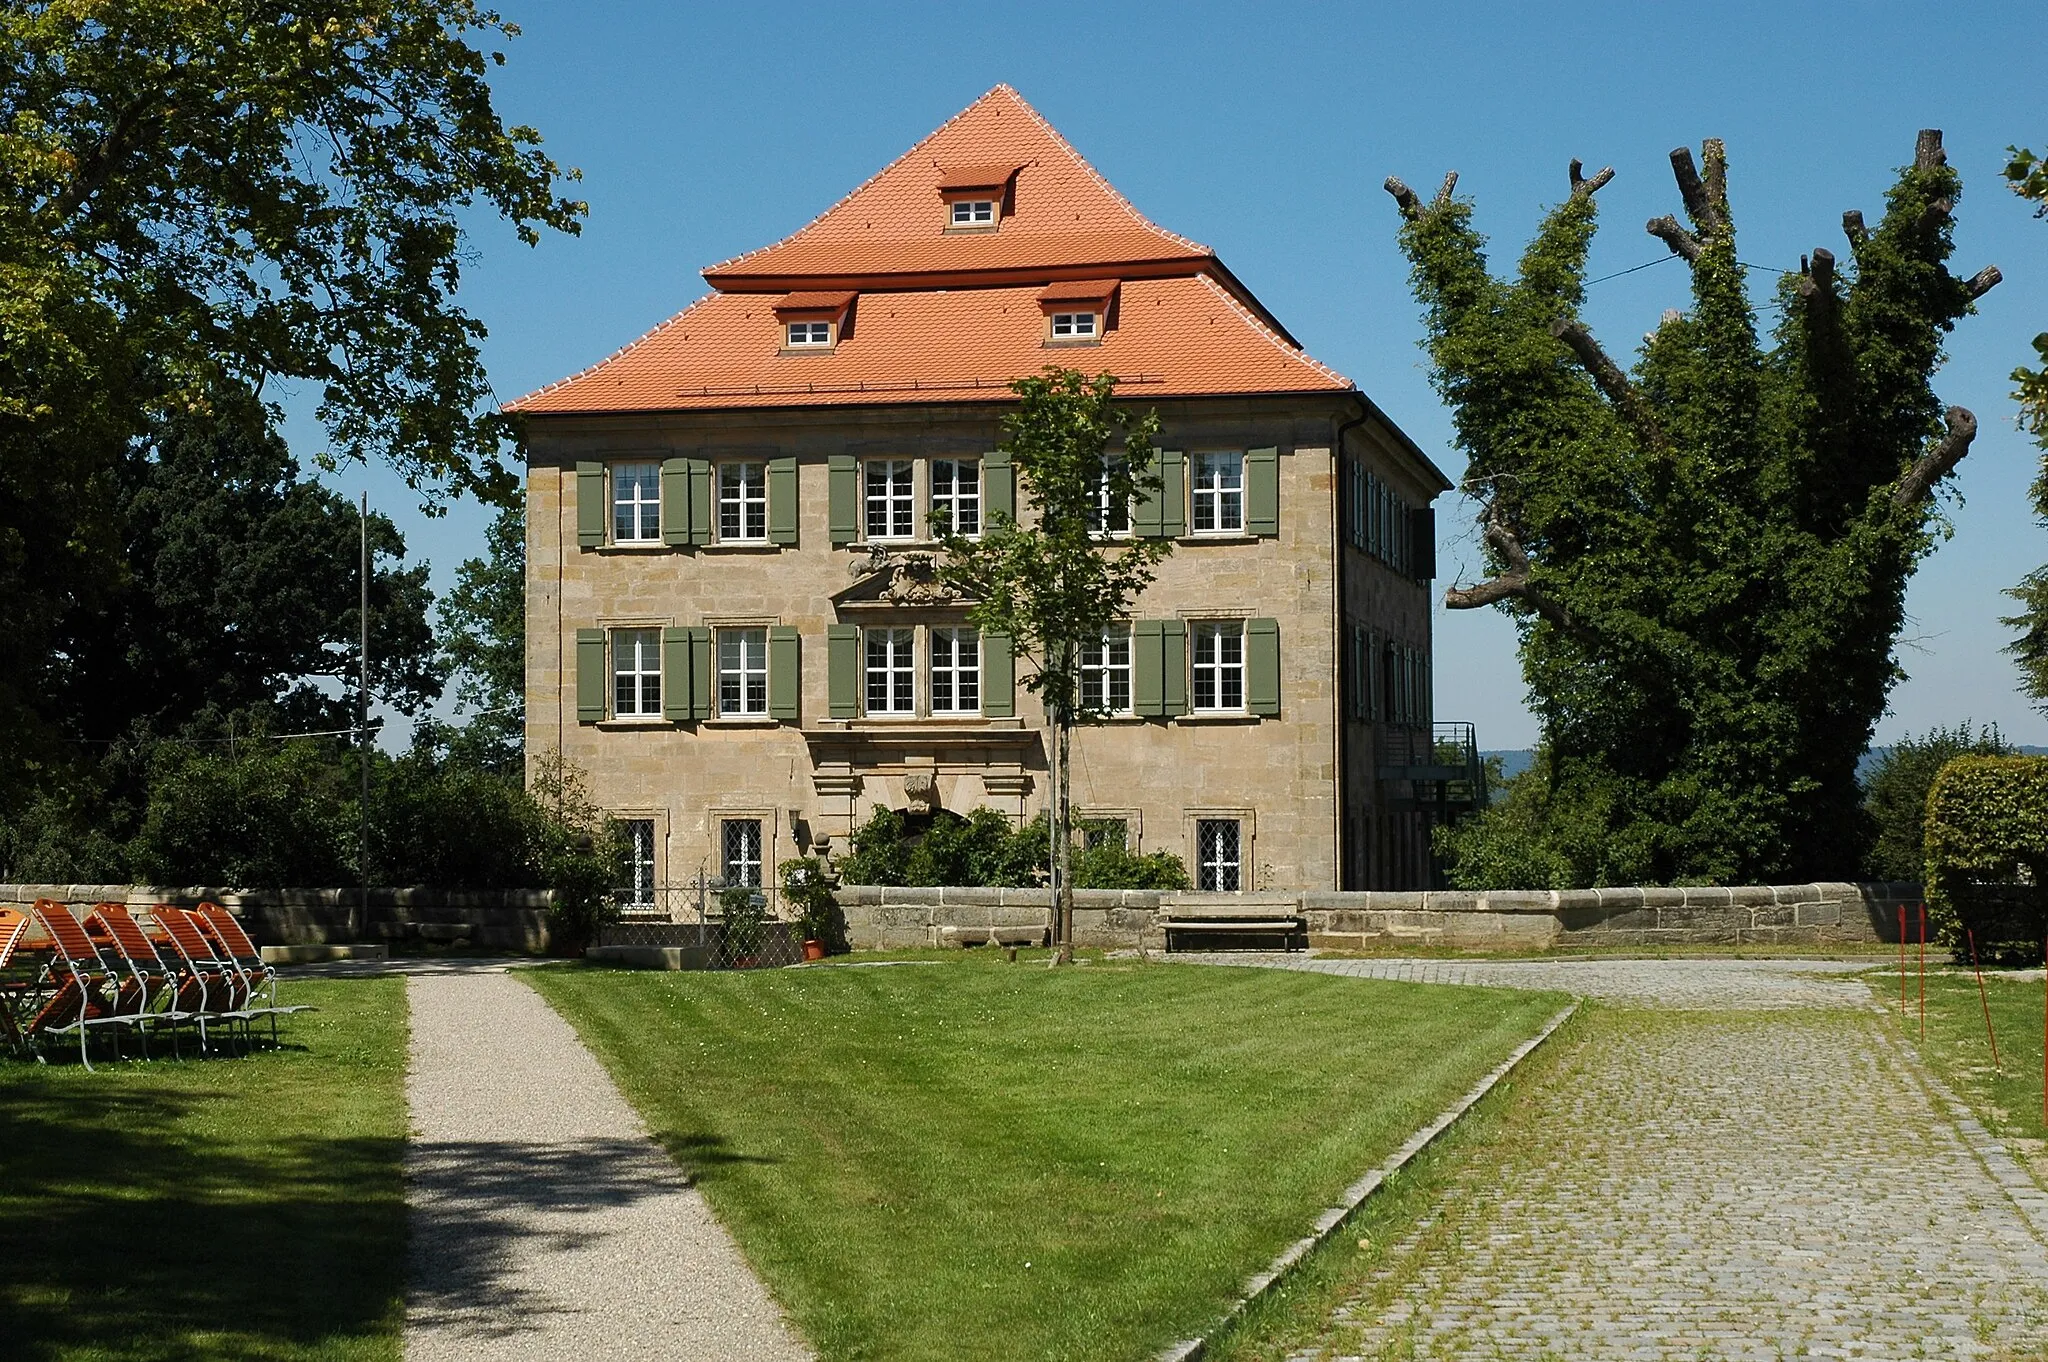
1707	557
2027	175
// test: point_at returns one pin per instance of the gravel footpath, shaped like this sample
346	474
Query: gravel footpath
545	1222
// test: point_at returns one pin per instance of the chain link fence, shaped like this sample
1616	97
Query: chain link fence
738	924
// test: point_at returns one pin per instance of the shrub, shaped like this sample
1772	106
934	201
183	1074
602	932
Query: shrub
807	885
984	850
1895	794
1987	853
1110	864
264	814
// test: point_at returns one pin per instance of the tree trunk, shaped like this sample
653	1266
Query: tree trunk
1063	844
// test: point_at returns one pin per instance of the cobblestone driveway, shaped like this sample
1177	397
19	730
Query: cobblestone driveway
1771	1178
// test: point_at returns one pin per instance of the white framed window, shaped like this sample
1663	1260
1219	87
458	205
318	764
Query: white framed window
638	890
1097	833
636	503
1218	665
891	502
742	671
1106	514
741	851
743	502
956	671
636	673
1219	859
809	335
1073	326
1106	674
891	671
956	495
974	212
1217	491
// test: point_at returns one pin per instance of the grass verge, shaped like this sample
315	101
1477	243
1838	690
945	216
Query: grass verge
248	1209
984	1160
2006	1099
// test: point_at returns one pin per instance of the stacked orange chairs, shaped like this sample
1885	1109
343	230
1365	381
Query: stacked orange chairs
65	979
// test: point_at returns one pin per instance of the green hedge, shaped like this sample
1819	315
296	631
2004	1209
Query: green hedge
1987	853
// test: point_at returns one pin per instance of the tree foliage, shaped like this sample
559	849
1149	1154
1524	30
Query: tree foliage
203	204
1059	583
1706	555
483	638
2027	174
1895	793
1987	854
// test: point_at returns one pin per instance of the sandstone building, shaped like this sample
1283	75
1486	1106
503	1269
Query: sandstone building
728	624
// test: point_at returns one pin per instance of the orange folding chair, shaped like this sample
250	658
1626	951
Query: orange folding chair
211	987
259	980
150	990
19	970
76	980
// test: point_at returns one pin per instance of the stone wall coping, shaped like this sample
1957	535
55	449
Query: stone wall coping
1602	902
405	896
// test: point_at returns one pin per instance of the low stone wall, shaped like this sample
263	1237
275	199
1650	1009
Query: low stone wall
500	920
1798	914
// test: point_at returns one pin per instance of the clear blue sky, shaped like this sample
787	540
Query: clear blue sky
1265	130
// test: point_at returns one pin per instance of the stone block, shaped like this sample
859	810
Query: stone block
1818	915
652	957
1521	901
1796	893
1774	915
1664	898
1752	896
983	897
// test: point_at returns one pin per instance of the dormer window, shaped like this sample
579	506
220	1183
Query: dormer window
814	322
977	198
974	212
809	335
1073	326
1078	311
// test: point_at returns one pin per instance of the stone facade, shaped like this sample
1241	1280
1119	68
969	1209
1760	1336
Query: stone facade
1297	782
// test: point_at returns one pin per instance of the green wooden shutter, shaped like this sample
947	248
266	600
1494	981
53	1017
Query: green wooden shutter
1145	515
700	501
783	676
782	503
1424	520
1262	491
842	648
1148	693
703	692
589	505
675	675
1262	666
843	476
998	486
675	501
1173	666
590	678
998	676
1173	495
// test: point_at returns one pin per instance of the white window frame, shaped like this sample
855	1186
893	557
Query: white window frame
1104	512
972	213
639	889
636	503
959	497
1217	669
1222	835
742	673
895	666
1208	472
955	669
636	662
808	335
743	502
750	867
1106	669
1076	325
897	501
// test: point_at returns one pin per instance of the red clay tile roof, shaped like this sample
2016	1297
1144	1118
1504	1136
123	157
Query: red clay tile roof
943	315
1176	337
1065	214
977	177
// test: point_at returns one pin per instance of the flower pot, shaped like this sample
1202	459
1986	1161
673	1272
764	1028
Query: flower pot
814	950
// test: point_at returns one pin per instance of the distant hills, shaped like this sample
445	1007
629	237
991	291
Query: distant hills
1515	760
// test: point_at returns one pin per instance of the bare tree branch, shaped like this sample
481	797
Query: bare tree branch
1705	215
1714	152
1610	379
1404	197
1936	463
1583	187
1667	230
1514	584
1853	228
1817	281
1927	150
1933	214
1983	281
1443	191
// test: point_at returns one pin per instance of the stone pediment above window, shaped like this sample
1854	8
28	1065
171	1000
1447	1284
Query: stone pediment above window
893	580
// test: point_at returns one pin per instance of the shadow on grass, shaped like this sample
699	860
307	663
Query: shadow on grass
126	1234
481	1208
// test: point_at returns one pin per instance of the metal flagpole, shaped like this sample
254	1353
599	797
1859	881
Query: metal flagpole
363	712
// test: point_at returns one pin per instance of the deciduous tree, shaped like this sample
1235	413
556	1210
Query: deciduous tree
1707	552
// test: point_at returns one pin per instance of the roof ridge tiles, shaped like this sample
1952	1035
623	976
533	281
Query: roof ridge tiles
628	348
1272	337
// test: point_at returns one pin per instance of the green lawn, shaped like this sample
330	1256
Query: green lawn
974	1159
237	1209
2007	1101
